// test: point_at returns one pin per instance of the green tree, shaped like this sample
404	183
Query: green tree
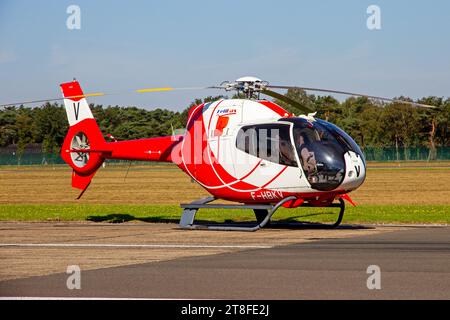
434	123
299	96
26	130
399	123
51	127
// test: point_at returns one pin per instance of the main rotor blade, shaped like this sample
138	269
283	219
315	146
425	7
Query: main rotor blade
96	94
168	89
353	94
101	94
287	100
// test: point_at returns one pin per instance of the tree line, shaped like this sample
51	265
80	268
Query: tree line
376	124
369	122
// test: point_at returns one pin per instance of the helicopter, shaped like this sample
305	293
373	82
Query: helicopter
246	150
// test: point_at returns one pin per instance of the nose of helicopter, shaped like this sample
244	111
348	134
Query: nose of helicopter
355	171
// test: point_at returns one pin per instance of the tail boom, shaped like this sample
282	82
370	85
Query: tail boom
151	149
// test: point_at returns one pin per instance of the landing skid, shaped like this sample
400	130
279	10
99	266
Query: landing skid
263	213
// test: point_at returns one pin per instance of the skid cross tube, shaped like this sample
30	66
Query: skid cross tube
190	209
340	205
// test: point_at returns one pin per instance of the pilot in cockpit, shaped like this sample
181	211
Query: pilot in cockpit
308	159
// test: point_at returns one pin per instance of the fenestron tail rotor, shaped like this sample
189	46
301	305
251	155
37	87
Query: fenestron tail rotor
79	149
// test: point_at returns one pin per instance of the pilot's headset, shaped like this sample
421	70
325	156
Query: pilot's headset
303	137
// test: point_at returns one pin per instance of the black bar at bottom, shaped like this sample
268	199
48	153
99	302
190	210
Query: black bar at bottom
225	309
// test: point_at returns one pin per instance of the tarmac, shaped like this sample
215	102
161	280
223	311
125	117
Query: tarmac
160	261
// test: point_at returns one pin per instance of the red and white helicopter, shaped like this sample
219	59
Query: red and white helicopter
250	151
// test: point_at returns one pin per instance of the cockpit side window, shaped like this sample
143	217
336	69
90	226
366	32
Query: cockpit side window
270	142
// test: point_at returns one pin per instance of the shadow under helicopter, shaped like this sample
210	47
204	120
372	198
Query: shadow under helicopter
287	223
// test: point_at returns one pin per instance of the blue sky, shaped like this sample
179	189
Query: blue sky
124	45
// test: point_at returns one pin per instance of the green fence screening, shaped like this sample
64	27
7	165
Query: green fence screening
30	159
404	154
372	154
45	159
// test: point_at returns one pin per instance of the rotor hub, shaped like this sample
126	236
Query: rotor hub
249	86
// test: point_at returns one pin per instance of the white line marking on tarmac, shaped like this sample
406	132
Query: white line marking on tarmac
109	245
89	298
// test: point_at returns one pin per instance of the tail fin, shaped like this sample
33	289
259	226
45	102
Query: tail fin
82	147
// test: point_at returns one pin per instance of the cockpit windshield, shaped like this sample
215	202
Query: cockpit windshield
321	148
343	138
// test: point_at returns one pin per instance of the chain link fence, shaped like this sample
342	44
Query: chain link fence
385	154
